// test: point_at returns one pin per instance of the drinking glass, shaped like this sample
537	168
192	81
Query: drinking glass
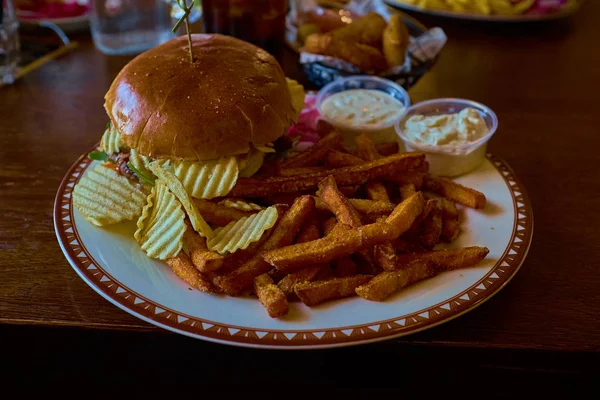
9	42
130	26
261	22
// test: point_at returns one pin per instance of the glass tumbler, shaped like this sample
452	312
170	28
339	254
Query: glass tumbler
9	42
130	26
261	22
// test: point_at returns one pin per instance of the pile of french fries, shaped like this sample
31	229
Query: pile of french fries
352	222
484	7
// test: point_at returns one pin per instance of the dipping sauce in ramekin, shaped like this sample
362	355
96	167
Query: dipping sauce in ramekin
453	133
366	104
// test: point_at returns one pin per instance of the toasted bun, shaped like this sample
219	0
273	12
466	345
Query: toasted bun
232	95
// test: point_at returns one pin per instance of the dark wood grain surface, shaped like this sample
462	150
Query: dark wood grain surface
541	79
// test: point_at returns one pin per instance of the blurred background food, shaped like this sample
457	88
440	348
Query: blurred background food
51	9
493	8
337	39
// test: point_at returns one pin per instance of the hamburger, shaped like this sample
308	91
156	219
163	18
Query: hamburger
180	131
232	101
233	97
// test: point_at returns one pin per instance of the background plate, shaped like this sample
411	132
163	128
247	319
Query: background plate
111	262
562	13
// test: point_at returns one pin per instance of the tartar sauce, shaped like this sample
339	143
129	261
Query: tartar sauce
362	108
446	129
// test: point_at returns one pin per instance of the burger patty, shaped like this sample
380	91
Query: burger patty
121	160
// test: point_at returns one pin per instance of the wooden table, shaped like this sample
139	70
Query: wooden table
541	79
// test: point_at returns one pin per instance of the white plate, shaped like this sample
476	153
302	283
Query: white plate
561	13
111	262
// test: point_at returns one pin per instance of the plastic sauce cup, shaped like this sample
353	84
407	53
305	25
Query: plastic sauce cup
449	160
378	133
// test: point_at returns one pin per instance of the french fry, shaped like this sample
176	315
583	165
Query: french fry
450	222
365	148
184	269
367	151
445	259
387	148
409	177
376	191
363	206
204	259
389	282
407	190
372	207
315	154
417	267
331	247
219	214
385	256
310	230
337	203
345	214
270	296
338	159
414	233
289	198
315	293
455	191
307	274
329	225
387	167
431	227
300	171
405	214
283	234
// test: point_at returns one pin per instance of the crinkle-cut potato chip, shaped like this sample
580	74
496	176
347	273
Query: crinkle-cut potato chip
297	92
264	149
111	141
140	162
104	197
240	205
250	163
163	170
161	225
239	234
208	179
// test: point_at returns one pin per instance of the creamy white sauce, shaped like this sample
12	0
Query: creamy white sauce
362	108
447	129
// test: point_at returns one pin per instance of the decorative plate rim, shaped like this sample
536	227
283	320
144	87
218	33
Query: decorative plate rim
128	300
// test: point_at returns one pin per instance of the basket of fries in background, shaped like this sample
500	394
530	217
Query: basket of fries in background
361	37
